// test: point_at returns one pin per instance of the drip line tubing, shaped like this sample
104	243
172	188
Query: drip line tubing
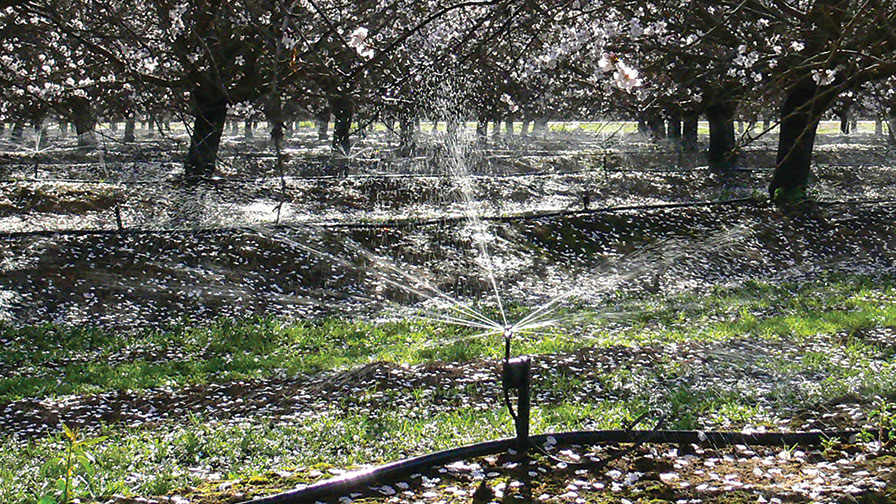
398	224
276	178
359	480
391	224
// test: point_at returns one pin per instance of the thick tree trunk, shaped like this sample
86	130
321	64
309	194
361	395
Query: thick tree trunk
524	132
878	127
508	127
342	107
690	128
722	153
18	129
85	124
210	112
496	129
130	124
247	129
800	114
2	128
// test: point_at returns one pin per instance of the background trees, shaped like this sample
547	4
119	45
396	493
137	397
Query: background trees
656	61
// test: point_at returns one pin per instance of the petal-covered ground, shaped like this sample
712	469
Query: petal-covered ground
222	356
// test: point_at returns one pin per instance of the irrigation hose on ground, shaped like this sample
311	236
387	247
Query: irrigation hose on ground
359	480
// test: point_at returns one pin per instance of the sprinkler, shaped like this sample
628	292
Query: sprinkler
517	375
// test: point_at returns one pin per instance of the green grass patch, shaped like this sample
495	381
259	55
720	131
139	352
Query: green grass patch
821	328
51	360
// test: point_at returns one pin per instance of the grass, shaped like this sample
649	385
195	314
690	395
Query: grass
819	327
51	360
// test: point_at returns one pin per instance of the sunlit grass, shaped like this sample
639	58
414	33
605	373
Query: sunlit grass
170	456
52	360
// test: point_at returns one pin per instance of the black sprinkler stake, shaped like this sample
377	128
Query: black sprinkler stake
517	376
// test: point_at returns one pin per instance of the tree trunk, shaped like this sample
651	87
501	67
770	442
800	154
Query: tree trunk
481	128
130	125
342	108
406	137
674	129
690	127
656	126
210	112
891	128
844	121
766	124
247	129
508	127
435	126
800	114
722	141
452	126
323	123
496	129
524	132
85	124
643	128
41	136
878	127
2	128
18	129
541	126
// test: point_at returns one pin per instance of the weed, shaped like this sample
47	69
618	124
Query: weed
72	474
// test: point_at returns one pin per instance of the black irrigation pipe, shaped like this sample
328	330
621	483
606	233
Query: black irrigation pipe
359	480
402	224
274	178
398	224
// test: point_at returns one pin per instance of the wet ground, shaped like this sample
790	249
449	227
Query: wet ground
376	234
349	229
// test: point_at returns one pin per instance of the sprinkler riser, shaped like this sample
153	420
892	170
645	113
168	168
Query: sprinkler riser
517	375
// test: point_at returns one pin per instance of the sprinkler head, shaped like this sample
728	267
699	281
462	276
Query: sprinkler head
508	332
